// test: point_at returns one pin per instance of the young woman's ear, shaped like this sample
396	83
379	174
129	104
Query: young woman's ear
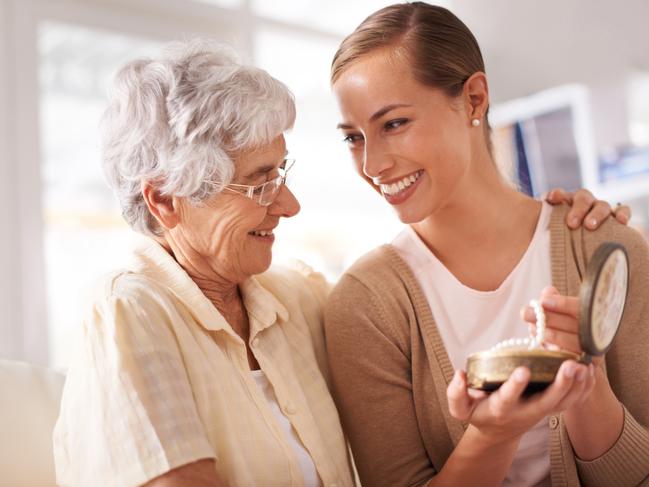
163	208
477	94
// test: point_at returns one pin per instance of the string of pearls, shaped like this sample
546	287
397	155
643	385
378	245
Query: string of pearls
531	341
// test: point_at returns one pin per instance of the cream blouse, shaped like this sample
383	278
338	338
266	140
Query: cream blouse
161	380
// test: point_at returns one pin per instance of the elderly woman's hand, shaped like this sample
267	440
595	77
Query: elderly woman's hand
586	209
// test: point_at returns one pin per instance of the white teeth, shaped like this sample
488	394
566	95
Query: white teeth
394	188
262	233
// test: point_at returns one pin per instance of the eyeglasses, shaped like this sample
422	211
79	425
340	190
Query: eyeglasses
264	194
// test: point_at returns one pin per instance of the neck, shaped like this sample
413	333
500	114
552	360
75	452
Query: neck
483	229
223	292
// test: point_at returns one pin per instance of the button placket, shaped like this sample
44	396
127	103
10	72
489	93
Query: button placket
290	408
554	422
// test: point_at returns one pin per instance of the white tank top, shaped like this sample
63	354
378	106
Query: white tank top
470	321
309	472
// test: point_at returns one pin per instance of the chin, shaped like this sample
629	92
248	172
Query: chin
408	216
260	265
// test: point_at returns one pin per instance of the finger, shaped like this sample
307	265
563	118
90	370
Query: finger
560	304
582	202
508	395
622	213
589	386
600	211
561	321
562	339
476	395
548	401
554	339
548	291
558	196
460	404
580	386
528	314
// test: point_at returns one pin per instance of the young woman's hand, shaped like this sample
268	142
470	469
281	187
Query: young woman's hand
506	414
586	209
561	321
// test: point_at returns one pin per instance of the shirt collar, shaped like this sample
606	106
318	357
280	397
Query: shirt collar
153	260
263	307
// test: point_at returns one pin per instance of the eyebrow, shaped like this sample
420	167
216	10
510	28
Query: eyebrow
378	114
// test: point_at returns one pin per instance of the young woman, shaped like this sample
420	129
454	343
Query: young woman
413	94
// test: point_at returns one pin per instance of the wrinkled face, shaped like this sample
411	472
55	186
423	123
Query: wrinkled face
411	142
232	234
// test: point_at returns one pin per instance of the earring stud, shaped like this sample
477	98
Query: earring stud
475	122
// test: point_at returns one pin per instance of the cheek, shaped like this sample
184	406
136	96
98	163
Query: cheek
225	229
444	152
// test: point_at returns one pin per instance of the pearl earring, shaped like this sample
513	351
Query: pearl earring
475	122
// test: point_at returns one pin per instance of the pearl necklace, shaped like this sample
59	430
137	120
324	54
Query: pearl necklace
531	341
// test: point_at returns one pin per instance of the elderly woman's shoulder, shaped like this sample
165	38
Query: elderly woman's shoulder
296	280
129	288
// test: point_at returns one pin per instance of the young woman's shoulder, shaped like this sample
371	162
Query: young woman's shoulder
371	297
377	271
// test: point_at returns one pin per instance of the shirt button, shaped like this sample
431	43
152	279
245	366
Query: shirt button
554	422
289	408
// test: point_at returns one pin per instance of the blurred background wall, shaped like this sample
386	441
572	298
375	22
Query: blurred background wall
570	77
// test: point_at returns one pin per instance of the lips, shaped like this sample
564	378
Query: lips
403	191
400	185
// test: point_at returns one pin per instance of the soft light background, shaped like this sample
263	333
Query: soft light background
60	226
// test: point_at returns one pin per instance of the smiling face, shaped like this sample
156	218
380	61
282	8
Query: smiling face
230	234
411	142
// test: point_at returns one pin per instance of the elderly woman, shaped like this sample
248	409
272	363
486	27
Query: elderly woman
194	369
198	365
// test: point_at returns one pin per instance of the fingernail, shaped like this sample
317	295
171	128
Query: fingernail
592	222
569	371
580	375
520	375
549	302
574	222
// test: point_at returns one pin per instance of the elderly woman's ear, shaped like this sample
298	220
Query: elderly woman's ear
163	208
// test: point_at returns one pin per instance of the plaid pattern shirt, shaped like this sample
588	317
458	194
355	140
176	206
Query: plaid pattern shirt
161	380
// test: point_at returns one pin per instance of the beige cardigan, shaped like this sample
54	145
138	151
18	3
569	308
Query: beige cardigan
390	369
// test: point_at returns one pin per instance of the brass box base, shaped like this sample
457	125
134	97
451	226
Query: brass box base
488	370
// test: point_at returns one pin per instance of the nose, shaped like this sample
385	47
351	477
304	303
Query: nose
376	160
285	204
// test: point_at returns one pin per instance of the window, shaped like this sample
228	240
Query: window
84	234
341	216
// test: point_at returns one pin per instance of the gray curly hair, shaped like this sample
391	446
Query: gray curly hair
177	122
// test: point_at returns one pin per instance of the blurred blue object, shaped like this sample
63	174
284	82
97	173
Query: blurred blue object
624	163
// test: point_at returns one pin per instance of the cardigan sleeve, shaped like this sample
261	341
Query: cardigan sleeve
372	385
626	463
